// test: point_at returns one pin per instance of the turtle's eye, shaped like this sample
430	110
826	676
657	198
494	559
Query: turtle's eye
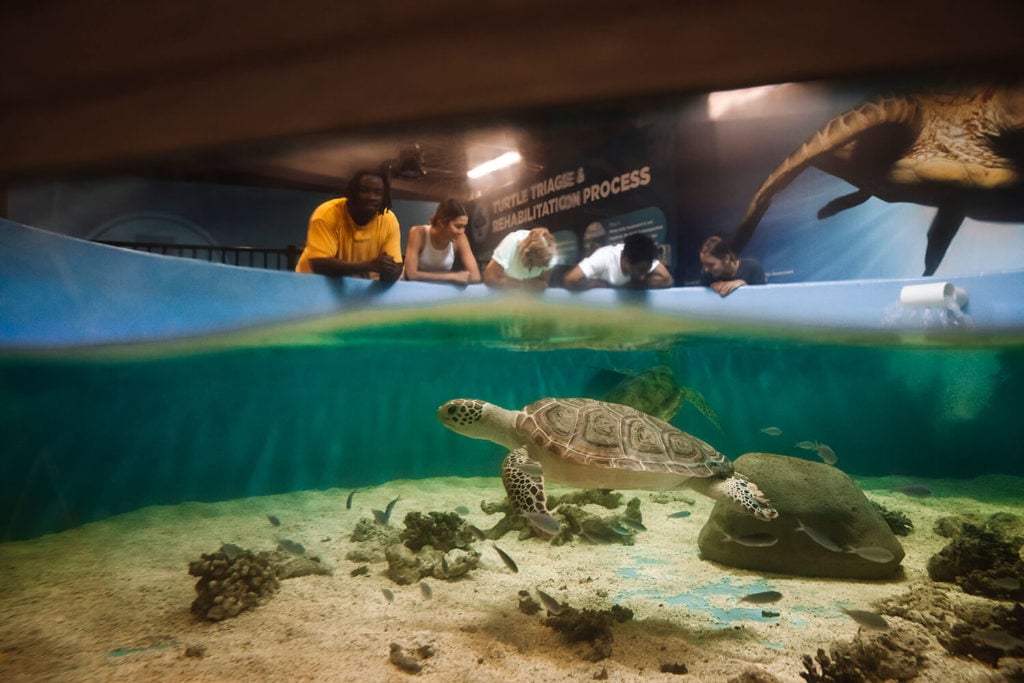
452	410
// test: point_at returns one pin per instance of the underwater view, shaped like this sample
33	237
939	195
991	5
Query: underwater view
297	509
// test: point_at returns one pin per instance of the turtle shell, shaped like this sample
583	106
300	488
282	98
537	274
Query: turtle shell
613	436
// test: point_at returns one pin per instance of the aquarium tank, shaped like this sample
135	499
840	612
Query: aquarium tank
217	469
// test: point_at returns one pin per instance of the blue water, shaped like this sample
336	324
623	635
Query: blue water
87	436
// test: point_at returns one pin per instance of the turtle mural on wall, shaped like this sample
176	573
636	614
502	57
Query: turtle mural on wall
960	150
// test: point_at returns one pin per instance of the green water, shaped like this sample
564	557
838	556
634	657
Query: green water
91	435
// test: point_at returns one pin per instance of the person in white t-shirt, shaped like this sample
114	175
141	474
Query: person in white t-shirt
522	258
633	264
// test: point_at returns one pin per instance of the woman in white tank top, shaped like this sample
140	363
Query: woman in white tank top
430	253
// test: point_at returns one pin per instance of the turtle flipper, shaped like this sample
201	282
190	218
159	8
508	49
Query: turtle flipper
942	231
698	401
524	483
740	493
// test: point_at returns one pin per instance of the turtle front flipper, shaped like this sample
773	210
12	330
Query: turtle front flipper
524	483
740	493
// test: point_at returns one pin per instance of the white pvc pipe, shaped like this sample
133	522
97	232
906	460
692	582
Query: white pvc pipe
933	294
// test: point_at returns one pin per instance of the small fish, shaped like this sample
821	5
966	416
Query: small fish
633	524
827	455
509	562
869	620
348	501
550	604
807	445
914	490
427	591
478	533
762	598
771	431
682	514
619	529
529	468
388	595
543	522
462	510
384	518
820	537
273	520
291	546
756	540
998	638
769	614
231	551
873	553
1007	583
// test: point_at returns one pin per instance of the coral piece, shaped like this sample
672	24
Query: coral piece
982	562
442	530
231	580
411	663
897	520
894	654
590	626
288	566
603	497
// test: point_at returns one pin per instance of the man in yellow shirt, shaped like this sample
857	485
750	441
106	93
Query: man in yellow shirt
357	234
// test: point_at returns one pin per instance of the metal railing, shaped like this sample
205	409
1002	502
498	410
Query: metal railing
250	257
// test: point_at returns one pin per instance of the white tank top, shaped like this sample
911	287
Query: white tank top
435	260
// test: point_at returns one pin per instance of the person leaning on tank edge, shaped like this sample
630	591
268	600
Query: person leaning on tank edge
524	258
355	235
724	271
632	263
431	251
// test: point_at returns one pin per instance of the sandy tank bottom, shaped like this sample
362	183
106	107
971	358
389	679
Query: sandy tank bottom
110	600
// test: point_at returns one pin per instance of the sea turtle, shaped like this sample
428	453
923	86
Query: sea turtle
656	392
597	445
960	150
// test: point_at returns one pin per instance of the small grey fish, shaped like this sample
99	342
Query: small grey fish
633	524
388	595
384	518
478	534
273	520
462	510
550	604
771	431
509	562
427	591
998	638
529	468
543	522
914	490
762	598
756	540
291	546
1008	583
807	445
820	537
827	455
231	551
682	514
873	553
769	613
869	620
348	501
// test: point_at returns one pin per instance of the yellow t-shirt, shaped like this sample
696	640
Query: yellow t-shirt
333	234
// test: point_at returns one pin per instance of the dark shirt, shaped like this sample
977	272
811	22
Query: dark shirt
749	270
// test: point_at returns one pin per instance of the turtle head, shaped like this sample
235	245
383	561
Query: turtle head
476	419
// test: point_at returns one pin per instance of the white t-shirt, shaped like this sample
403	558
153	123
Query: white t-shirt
506	255
606	264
